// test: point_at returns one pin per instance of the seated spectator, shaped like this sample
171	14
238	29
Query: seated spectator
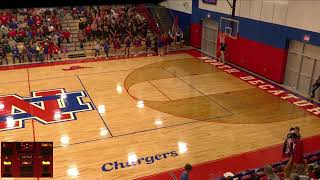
317	169
310	172
294	176
186	172
270	174
300	170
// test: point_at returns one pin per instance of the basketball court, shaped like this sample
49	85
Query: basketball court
145	117
177	109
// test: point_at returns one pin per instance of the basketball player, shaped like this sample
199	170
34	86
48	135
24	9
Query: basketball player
315	86
222	48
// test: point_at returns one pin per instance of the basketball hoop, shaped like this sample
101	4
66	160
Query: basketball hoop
229	27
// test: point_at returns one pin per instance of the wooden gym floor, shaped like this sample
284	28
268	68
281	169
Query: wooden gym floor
153	105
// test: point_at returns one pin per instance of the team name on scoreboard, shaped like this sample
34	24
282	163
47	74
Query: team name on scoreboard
46	107
137	161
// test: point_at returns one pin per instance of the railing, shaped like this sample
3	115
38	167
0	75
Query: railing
170	10
154	26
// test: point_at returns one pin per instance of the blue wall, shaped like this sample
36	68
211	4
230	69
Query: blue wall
271	34
267	33
261	47
184	19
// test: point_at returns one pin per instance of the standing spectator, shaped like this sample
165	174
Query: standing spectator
117	46
88	32
16	54
148	46
46	51
81	39
59	39
106	47
297	153
96	49
23	53
63	50
127	46
66	35
57	51
137	44
288	144
296	156
3	55
159	45
31	51
164	42
179	37
39	52
186	172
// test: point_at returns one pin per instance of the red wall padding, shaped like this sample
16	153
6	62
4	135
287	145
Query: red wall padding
259	58
196	31
262	59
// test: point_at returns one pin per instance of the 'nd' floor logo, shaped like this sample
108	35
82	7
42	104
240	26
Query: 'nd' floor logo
51	106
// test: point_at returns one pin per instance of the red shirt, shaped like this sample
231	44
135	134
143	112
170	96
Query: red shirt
22	33
12	33
66	34
55	49
297	155
37	20
88	30
4	19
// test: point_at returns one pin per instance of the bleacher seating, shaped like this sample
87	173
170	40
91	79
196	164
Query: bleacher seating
278	167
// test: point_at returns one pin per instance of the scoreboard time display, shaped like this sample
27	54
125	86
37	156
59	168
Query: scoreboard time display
210	1
26	159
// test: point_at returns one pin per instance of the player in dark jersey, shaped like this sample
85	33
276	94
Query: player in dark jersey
315	86
222	48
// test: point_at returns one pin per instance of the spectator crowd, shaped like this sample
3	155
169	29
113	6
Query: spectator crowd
36	34
296	165
31	34
120	27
